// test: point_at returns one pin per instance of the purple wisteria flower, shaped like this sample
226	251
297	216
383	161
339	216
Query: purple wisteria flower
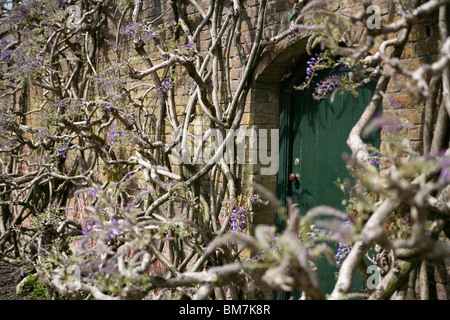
342	253
150	34
113	135
63	150
61	104
108	83
445	173
373	159
445	168
4	42
313	64
89	226
130	29
388	121
32	10
237	220
394	103
116	227
61	3
5	54
191	45
238	210
327	86
26	63
294	33
165	87
262	255
94	192
343	249
105	230
5	119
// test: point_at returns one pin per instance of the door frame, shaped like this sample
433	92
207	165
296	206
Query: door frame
285	125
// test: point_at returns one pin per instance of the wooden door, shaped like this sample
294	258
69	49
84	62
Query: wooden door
313	136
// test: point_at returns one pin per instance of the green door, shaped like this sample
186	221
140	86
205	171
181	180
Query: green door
313	136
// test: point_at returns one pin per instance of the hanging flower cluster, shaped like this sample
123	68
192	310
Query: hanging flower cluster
344	247
327	86
165	87
341	254
131	28
238	209
331	83
313	65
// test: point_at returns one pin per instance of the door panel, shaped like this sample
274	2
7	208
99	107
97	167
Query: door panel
320	131
313	148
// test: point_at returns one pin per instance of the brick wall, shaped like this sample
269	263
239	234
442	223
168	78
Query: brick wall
277	63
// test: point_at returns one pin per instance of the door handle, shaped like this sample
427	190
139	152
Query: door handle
294	177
